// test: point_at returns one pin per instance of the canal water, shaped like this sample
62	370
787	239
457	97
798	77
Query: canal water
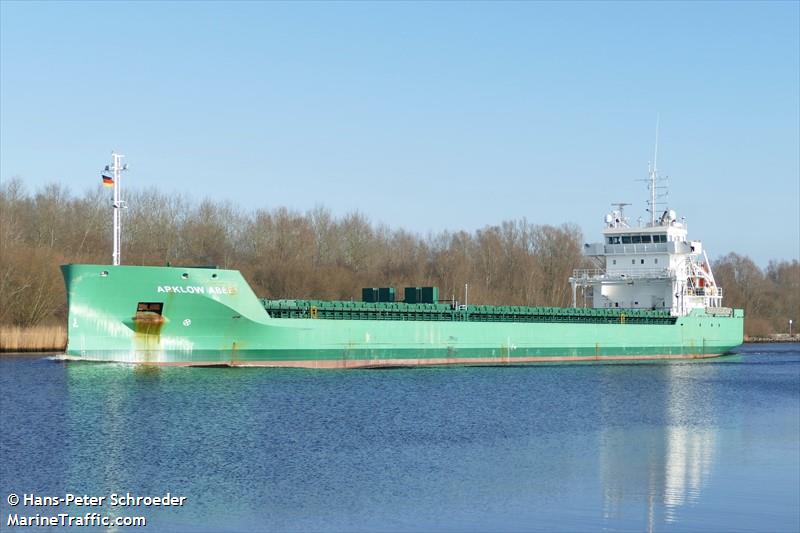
674	446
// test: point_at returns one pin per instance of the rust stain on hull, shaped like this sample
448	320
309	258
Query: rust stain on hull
147	334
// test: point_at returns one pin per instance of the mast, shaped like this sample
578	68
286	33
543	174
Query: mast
118	204
652	181
653	175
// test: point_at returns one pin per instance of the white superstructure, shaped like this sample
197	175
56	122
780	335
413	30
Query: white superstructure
652	265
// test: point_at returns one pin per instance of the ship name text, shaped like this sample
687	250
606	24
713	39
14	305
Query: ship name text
195	289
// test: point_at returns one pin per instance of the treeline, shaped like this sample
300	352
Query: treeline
282	253
770	298
288	254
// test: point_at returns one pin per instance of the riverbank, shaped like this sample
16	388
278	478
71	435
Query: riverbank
33	339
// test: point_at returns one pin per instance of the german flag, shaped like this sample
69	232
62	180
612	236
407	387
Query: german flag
108	181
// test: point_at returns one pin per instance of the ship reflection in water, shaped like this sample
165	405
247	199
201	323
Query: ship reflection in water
704	446
669	467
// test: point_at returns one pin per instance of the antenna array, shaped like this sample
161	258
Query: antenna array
657	185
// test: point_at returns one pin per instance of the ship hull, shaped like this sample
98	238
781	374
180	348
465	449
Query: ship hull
212	317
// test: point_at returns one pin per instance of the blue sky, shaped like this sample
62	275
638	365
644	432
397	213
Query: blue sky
426	116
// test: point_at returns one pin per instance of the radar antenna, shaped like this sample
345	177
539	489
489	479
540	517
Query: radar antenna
620	207
620	210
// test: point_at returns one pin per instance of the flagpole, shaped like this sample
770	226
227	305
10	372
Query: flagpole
118	205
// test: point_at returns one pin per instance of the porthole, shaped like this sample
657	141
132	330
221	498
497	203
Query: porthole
214	276
185	275
104	273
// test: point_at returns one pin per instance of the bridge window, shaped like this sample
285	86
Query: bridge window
646	239
642	261
655	260
626	239
636	239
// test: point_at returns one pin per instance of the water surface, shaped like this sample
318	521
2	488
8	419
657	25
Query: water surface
673	446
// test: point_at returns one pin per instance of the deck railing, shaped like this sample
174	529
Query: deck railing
587	274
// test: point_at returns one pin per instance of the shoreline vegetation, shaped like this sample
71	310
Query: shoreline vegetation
314	255
33	339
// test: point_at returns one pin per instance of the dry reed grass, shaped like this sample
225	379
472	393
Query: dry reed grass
33	339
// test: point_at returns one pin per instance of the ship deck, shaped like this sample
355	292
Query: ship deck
345	310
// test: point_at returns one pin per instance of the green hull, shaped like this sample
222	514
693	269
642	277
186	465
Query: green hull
212	317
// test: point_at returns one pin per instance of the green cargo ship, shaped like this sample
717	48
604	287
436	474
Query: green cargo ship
653	296
198	316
